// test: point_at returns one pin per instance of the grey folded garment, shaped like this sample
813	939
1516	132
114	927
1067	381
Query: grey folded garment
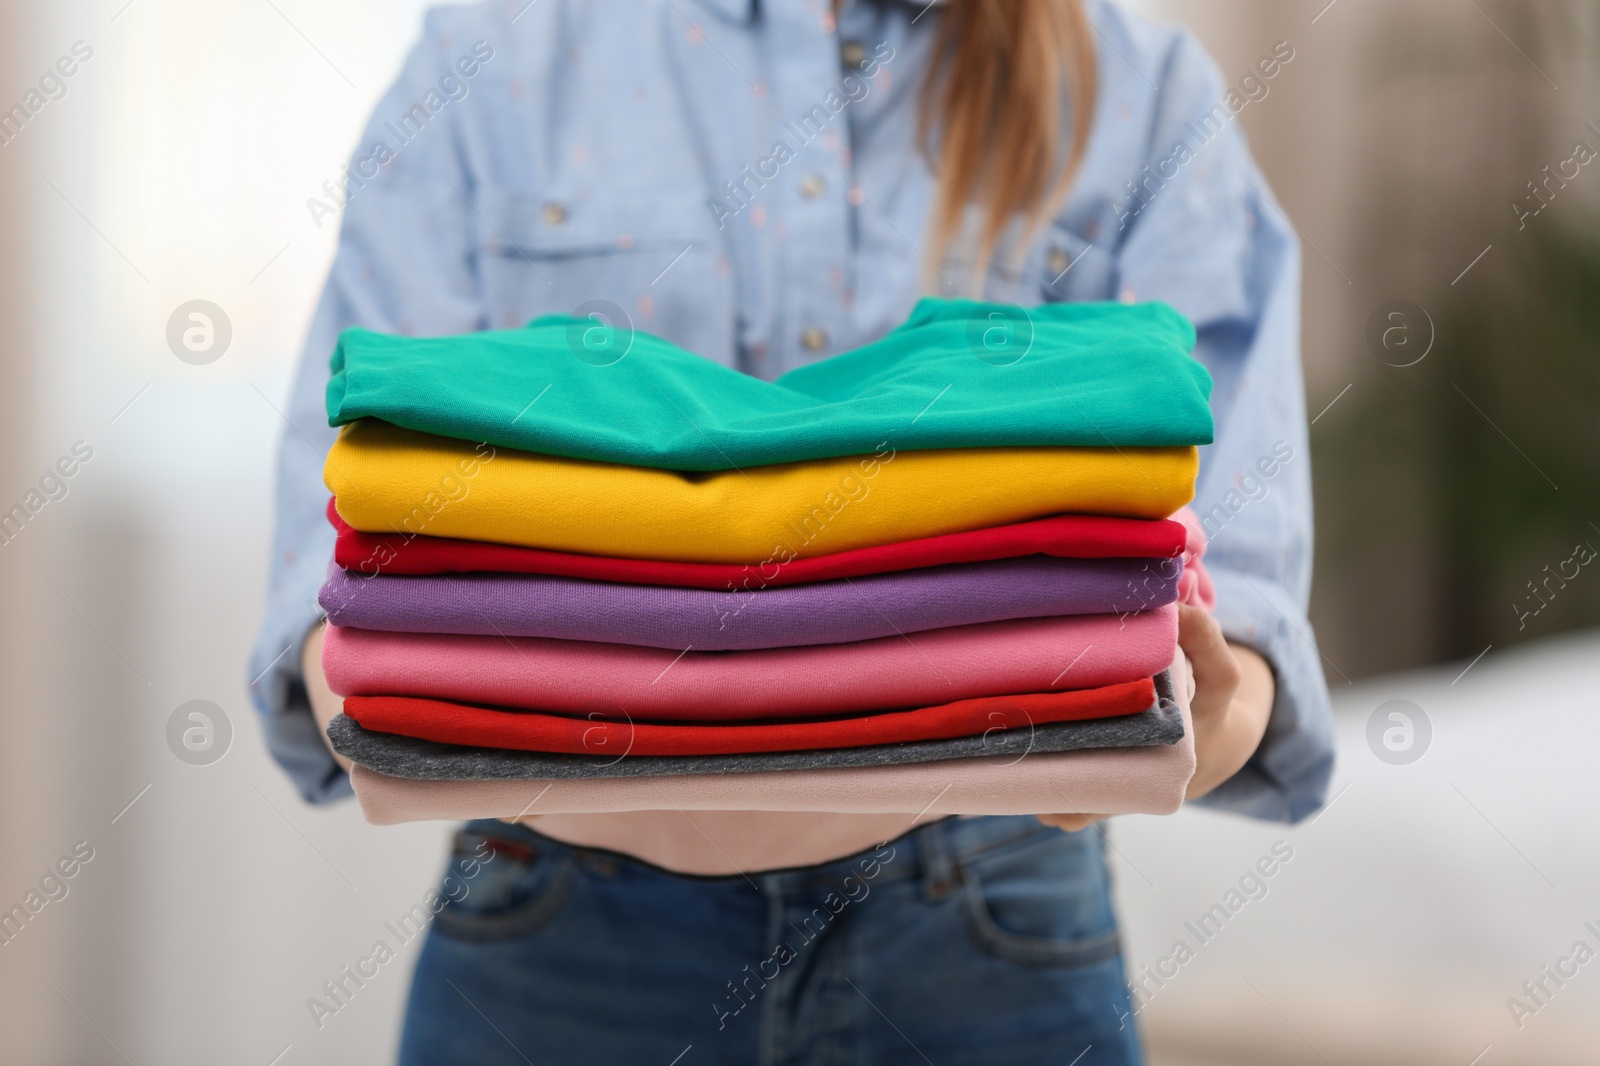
427	760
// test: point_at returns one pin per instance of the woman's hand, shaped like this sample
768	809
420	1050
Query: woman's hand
1233	693
325	706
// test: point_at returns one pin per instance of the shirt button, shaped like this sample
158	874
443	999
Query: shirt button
1058	262
814	339
812	186
853	54
553	214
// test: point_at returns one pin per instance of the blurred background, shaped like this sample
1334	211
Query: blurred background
1456	457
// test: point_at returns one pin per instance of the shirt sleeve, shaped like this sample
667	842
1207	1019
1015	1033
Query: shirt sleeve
405	264
1204	234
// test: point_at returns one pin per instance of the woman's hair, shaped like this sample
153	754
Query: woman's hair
990	121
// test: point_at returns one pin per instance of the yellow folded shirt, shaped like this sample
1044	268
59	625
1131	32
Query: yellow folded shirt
391	480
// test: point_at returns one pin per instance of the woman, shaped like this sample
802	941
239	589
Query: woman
768	184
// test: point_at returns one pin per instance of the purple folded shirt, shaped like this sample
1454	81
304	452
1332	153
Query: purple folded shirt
827	612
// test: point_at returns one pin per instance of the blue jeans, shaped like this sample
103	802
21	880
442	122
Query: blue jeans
983	941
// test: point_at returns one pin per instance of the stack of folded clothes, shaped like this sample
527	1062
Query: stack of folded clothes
647	581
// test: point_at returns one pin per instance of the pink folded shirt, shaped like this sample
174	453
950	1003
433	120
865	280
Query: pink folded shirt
915	670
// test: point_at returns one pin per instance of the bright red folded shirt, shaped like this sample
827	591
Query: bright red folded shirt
459	723
1070	536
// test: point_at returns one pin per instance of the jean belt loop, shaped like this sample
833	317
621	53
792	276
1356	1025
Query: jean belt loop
940	874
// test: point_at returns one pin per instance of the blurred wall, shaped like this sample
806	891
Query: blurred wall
1397	139
22	780
174	166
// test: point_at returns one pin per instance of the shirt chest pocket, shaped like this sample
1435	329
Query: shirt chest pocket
657	270
1068	266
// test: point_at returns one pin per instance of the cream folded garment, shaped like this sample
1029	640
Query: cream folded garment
916	670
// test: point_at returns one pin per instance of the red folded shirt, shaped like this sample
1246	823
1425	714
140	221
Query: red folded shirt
459	723
1069	536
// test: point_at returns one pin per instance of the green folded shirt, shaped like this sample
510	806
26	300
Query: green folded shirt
956	374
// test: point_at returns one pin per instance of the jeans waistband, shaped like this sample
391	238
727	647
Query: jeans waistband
932	853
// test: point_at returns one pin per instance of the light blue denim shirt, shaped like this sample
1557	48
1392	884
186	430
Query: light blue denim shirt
743	179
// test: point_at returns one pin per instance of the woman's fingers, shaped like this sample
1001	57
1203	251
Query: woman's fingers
325	706
1232	702
1072	823
1215	670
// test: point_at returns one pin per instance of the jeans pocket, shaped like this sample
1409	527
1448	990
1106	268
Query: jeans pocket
1046	903
499	887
